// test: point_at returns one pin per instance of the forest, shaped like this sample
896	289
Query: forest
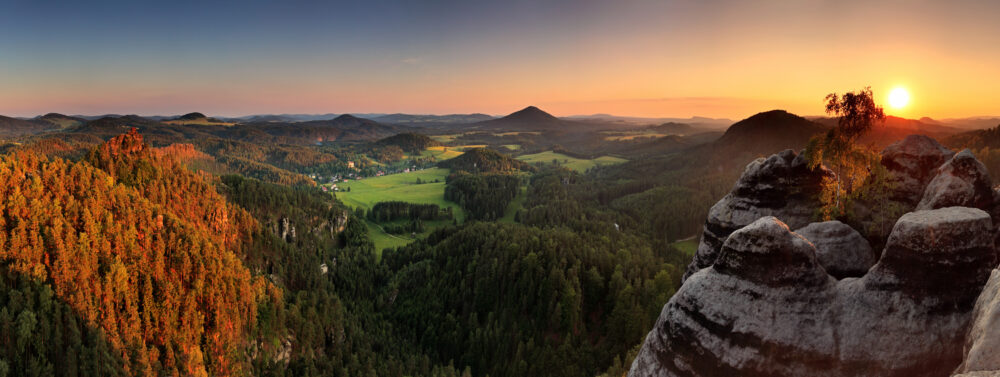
193	273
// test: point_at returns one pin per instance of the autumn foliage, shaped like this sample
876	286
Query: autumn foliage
139	247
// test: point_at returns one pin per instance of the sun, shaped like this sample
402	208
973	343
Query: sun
898	98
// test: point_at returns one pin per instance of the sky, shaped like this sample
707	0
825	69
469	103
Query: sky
651	58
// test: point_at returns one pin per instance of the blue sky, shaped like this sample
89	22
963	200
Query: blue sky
640	57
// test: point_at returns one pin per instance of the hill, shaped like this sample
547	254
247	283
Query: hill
482	160
195	119
342	128
431	120
17	127
675	128
769	132
896	128
988	138
530	118
192	116
60	120
409	142
124	253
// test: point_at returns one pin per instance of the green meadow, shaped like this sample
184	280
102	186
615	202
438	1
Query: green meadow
688	246
398	187
442	153
577	164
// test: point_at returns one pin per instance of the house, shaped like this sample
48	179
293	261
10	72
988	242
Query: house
350	164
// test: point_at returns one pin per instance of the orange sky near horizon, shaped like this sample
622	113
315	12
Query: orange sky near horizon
637	58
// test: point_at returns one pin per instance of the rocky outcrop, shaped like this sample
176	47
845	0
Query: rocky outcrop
912	163
982	344
767	307
961	181
286	230
782	186
339	223
840	249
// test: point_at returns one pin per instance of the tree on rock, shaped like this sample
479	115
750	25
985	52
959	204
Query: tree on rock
839	149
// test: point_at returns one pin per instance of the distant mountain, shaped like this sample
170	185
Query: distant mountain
195	119
431	120
264	118
409	142
975	139
972	123
60	120
698	122
289	117
530	114
674	128
769	132
18	127
896	128
528	119
192	116
924	126
342	128
347	121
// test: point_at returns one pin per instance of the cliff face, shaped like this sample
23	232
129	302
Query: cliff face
762	300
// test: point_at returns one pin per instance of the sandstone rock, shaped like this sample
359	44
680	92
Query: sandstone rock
840	249
982	344
286	230
340	223
767	307
781	185
961	181
912	162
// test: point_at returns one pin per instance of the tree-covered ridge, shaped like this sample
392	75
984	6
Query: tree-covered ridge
483	160
163	180
409	142
514	300
140	254
483	196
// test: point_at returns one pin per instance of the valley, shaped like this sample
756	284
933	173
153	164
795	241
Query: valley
476	188
393	235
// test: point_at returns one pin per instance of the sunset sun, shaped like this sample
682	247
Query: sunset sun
899	98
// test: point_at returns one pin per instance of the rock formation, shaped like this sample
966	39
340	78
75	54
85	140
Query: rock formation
912	163
840	249
761	300
768	308
781	185
961	181
982	344
286	230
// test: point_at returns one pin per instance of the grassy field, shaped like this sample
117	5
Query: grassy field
445	138
515	133
513	147
402	187
442	153
688	246
577	164
511	210
630	135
